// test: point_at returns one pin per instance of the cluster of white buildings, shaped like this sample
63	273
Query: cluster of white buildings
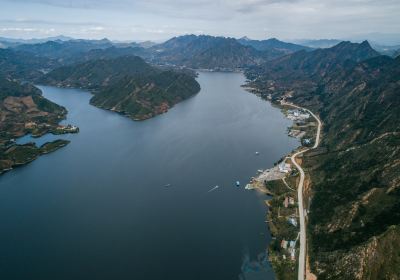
291	247
68	128
297	115
284	167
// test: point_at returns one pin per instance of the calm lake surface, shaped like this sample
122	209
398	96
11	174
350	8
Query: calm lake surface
100	209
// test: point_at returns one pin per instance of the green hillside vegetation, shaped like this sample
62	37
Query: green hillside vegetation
23	65
354	210
24	110
63	51
18	155
197	52
127	85
208	52
272	44
23	103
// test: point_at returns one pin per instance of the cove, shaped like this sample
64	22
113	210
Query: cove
132	200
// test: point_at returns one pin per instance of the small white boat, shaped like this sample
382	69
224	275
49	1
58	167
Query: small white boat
257	153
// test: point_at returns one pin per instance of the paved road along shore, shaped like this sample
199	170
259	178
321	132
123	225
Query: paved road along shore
303	239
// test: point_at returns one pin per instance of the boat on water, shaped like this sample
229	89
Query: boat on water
260	171
167	185
257	153
249	187
237	183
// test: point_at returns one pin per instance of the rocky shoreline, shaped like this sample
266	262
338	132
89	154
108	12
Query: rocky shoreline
20	155
23	111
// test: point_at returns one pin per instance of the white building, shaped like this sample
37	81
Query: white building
284	167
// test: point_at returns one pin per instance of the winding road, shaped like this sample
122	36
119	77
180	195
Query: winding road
303	239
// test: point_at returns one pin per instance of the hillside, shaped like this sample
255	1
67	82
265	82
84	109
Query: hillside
23	103
24	110
198	52
360	109
74	51
272	44
30	61
208	52
63	51
320	61
354	193
23	65
111	52
127	85
304	70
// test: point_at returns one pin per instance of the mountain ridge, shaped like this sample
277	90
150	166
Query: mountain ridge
354	190
273	43
206	52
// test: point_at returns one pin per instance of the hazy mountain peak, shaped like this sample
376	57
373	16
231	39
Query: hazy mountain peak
245	38
356	49
366	44
271	44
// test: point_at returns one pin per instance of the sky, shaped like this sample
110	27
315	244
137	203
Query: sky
157	20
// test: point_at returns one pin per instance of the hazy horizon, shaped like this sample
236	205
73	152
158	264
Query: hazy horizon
158	20
383	40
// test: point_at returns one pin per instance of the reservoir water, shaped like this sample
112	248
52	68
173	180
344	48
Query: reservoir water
137	200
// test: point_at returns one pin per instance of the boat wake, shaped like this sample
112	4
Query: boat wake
213	189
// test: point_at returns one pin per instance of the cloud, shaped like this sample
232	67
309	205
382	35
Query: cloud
249	6
18	29
96	28
30	21
28	30
63	3
154	19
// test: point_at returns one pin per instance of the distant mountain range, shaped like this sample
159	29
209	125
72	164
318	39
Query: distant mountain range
206	52
389	49
10	42
36	41
23	65
319	43
273	43
63	50
220	52
199	52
